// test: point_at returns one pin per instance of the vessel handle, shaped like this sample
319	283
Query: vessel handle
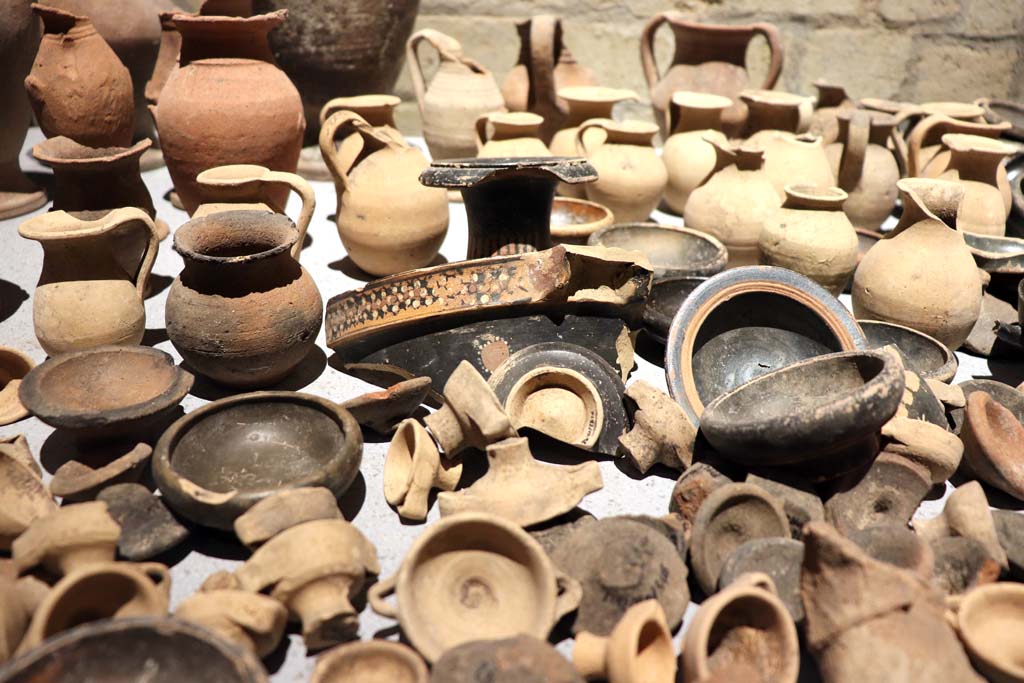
130	214
446	46
342	121
544	29
915	140
481	131
581	147
570	593
378	594
771	34
647	60
851	165
301	187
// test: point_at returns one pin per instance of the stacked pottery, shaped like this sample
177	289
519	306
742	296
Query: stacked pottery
544	68
864	166
708	58
387	220
812	236
510	134
461	91
584	103
774	120
974	163
19	37
922	275
694	118
630	175
227	86
78	87
735	203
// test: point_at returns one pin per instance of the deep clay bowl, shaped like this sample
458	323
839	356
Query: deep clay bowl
107	391
666	297
672	251
573	220
216	462
747	322
925	355
811	410
153	649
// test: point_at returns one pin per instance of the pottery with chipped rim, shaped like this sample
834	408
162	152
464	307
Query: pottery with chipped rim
922	353
574	220
672	251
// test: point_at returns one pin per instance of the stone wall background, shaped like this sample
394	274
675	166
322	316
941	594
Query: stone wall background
913	50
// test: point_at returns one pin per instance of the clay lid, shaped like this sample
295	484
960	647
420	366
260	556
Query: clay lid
170	650
228	237
672	251
595	93
104	386
216	462
925	355
463	173
574	220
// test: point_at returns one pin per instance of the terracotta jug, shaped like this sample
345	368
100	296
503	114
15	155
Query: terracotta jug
639	649
243	311
244	187
85	297
510	134
832	100
584	102
387	220
377	110
78	87
812	236
708	58
461	91
688	156
975	162
631	175
735	203
922	153
544	67
227	86
922	275
19	39
864	166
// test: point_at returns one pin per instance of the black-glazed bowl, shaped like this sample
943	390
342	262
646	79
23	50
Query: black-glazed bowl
674	252
924	354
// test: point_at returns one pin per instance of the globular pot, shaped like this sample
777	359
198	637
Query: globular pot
988	620
690	158
832	102
630	174
86	296
544	67
638	650
242	312
387	220
109	590
584	102
864	166
78	87
19	39
510	134
974	163
707	58
922	274
228	86
812	236
376	110
474	576
461	91
735	203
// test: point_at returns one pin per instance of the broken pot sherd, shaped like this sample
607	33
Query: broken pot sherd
966	514
661	431
69	538
284	510
779	558
800	503
888	493
927	444
252	621
471	417
961	564
638	650
23	496
521	489
696	483
77	481
383	410
993	437
1010	528
414	467
148	528
510	660
896	545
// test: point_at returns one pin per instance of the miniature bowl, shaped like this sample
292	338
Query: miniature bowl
371	660
746	322
573	220
216	462
674	252
108	391
1004	394
925	355
167	650
988	620
816	409
666	297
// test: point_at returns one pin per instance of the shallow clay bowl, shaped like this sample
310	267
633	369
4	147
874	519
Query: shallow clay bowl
997	255
1004	394
216	462
573	220
672	251
747	322
371	661
925	355
810	410
989	622
107	391
666	297
151	649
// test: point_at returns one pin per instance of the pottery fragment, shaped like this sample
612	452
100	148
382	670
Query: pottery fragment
896	545
779	558
661	432
1010	529
800	503
924	443
249	620
510	660
284	510
961	564
147	526
888	493
383	410
992	438
966	514
77	481
472	416
68	538
638	650
413	467
23	496
372	661
14	365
